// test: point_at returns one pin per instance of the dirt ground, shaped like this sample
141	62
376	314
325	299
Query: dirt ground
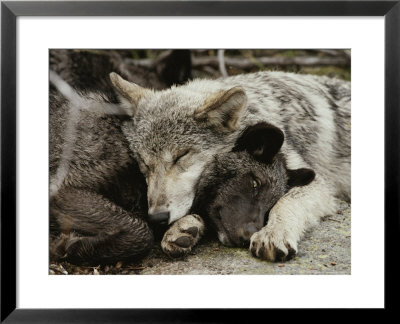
324	250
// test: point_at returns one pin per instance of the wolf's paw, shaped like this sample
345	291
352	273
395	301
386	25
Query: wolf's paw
57	246
267	245
182	236
65	246
73	245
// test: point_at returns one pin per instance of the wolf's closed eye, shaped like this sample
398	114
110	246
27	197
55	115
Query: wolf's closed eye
180	156
144	168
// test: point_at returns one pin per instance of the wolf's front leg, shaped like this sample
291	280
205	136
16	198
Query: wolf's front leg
182	236
293	214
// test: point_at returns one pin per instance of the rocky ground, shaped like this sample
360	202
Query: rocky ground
324	250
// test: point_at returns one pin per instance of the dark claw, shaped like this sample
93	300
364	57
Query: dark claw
279	255
192	231
262	252
72	242
175	253
292	253
183	241
73	248
197	217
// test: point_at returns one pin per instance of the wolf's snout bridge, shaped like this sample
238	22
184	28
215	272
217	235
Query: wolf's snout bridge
159	218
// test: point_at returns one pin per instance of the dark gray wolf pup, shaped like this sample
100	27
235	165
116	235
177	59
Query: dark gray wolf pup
174	133
97	192
238	189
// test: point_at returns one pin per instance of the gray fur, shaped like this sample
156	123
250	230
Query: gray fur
97	193
314	118
84	208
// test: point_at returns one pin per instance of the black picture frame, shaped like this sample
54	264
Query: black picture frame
9	13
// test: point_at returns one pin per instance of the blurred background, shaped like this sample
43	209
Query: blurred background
207	63
84	68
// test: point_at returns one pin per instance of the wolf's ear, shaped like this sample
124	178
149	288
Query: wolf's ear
300	177
262	141
223	109
129	93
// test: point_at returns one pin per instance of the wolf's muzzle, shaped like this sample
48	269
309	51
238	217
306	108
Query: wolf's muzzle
159	218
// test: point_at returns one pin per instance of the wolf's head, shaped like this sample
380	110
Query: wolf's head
237	189
174	133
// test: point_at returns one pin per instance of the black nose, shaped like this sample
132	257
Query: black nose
159	218
245	234
244	242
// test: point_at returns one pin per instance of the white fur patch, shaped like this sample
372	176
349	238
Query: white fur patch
180	190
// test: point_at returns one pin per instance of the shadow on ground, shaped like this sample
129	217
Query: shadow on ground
324	250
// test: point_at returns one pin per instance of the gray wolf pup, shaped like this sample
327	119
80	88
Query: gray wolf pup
97	192
238	189
176	132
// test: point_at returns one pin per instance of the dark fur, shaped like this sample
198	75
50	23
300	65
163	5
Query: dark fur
89	70
97	214
237	189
